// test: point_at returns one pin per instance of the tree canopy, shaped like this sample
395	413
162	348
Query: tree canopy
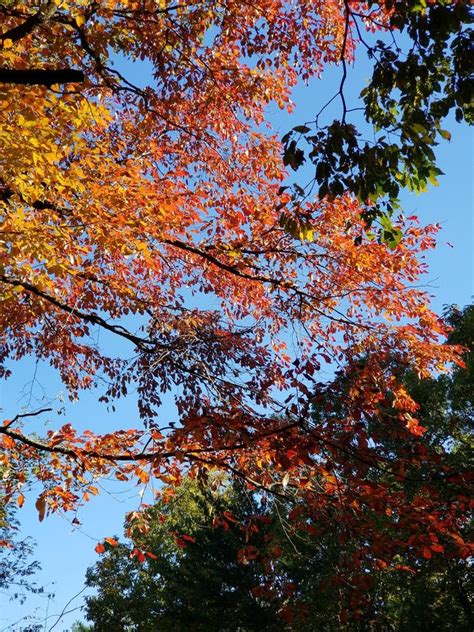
204	564
155	214
191	578
421	73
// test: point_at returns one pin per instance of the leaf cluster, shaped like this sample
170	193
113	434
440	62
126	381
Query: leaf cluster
418	78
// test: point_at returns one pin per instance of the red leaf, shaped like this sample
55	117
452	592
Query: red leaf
426	553
437	548
138	554
230	517
402	567
188	538
286	613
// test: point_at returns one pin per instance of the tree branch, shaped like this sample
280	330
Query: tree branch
44	13
23	415
142	343
41	77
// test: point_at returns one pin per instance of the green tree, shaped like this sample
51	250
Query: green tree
18	567
193	579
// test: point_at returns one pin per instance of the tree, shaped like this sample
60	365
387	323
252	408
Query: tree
197	531
429	591
204	567
191	578
17	569
421	72
156	215
80	627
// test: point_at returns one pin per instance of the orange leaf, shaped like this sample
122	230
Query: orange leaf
8	442
143	476
40	505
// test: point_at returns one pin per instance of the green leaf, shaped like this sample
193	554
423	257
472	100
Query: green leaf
302	129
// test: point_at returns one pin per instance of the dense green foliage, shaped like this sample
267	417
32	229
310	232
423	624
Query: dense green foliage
196	581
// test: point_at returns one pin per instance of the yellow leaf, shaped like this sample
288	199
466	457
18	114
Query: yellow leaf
143	476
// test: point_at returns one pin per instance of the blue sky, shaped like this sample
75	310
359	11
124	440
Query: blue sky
65	552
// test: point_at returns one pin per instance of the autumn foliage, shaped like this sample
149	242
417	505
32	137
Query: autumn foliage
152	211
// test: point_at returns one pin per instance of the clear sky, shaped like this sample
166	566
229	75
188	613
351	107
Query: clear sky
65	552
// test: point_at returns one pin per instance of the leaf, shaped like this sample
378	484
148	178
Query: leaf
8	442
80	19
230	517
188	538
20	500
426	553
143	476
445	134
402	567
138	554
40	505
302	129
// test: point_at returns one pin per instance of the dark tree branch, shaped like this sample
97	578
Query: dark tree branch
44	13
142	343
273	281
343	61
40	77
23	415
